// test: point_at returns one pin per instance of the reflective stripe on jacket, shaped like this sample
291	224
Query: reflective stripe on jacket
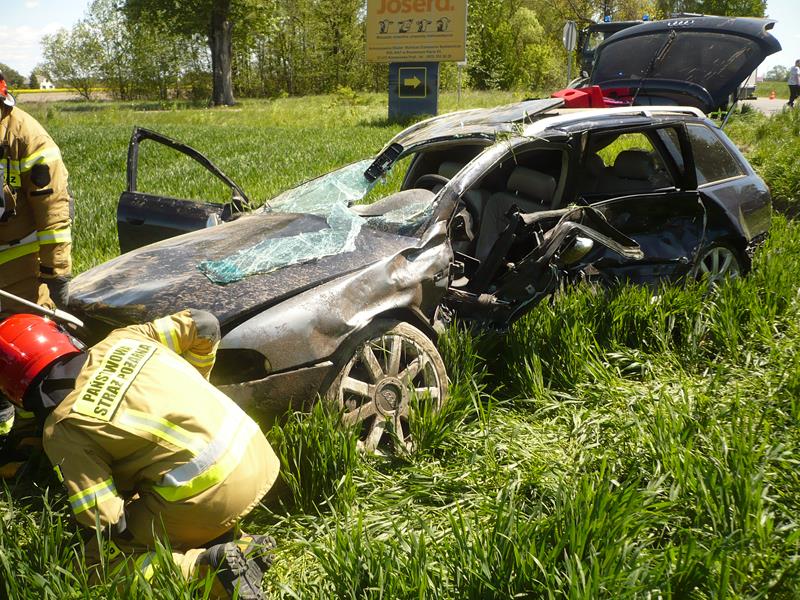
144	421
33	242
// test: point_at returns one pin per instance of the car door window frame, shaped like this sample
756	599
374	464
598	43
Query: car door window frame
683	180
742	170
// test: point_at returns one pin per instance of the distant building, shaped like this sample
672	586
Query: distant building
45	84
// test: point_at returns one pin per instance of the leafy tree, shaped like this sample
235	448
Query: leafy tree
214	19
734	8
777	73
73	58
33	82
507	47
13	78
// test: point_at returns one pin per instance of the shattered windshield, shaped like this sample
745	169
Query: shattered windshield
330	197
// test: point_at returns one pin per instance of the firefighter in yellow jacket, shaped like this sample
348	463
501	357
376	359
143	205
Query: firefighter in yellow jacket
35	217
144	444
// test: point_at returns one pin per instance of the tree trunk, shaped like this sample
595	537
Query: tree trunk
219	41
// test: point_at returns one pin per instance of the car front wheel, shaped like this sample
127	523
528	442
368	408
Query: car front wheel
717	263
393	364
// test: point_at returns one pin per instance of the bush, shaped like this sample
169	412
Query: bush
772	144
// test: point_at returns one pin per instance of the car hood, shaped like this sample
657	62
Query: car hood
161	278
695	61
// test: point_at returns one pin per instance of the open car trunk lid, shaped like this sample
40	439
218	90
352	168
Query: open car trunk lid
692	61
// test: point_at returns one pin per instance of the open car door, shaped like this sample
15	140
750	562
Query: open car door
144	218
530	258
669	227
639	239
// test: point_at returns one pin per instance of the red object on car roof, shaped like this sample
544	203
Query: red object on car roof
587	97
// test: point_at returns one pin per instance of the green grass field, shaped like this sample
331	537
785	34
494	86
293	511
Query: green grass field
781	89
612	445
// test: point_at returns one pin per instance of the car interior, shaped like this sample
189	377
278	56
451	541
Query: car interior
617	164
531	180
483	232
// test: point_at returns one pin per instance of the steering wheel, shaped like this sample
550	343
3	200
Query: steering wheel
429	181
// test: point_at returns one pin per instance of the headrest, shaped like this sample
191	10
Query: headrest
634	164
532	184
594	165
449	168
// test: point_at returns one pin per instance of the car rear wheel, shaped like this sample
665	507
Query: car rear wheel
393	364
717	263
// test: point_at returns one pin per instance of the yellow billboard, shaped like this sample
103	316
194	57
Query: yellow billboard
416	30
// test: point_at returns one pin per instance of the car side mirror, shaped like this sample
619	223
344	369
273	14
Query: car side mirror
574	250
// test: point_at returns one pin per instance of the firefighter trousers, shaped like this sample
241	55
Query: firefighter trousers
19	277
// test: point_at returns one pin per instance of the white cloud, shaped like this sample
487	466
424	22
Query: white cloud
19	46
31	3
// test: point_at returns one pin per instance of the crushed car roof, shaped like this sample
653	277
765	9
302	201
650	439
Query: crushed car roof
479	122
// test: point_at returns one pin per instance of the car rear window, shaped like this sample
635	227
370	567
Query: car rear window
713	162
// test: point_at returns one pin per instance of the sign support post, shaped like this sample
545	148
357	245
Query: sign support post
569	36
414	37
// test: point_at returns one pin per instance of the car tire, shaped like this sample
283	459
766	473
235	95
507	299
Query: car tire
375	386
718	262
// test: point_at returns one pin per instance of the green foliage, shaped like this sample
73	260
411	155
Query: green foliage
13	78
777	73
507	47
317	457
776	161
433	431
733	8
72	58
781	89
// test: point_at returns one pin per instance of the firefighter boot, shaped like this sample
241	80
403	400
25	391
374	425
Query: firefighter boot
257	548
235	574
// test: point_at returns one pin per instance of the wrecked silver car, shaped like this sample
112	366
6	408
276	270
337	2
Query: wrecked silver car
320	292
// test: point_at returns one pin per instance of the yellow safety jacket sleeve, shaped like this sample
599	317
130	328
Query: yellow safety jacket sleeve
85	470
193	334
37	171
7	413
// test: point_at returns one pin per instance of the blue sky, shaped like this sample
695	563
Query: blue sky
24	22
787	30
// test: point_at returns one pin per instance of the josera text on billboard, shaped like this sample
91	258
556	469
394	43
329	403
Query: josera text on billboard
416	30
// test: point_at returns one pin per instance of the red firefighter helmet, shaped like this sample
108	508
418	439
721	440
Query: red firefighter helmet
28	345
5	96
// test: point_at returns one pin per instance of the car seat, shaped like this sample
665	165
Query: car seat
594	169
633	171
529	190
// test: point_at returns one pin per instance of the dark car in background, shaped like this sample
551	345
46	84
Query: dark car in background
493	209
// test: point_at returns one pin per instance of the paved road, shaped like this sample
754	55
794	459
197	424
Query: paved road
767	106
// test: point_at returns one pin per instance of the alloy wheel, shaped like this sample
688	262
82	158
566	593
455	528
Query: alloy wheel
376	386
717	264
